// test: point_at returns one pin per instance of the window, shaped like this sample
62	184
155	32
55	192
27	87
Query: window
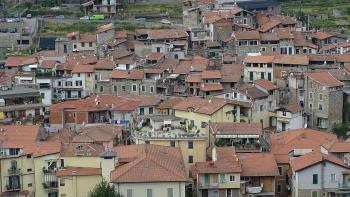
90	44
262	75
190	159
190	144
310	95
59	83
149	193
321	97
134	87
123	88
320	107
62	182
142	111
150	110
172	143
269	76
101	88
95	86
143	88
232	178
280	170
96	77
78	74
170	192
65	50
228	193
29	156
251	75
274	49
284	113
333	178
310	106
151	90
115	88
29	170
83	44
261	108
235	95
30	184
129	193
222	178
314	194
279	188
192	123
315	179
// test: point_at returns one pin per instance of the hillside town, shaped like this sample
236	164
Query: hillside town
240	100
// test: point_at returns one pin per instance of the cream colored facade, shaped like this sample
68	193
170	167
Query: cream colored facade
77	186
88	162
157	189
219	116
198	152
215	180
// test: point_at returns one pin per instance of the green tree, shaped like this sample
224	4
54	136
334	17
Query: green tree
340	130
104	189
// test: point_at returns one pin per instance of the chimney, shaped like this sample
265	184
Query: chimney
213	154
109	160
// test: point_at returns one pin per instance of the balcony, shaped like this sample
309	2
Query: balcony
50	185
12	171
13	187
208	185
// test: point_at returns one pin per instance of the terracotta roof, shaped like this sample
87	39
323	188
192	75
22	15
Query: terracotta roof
285	142
87	38
15	61
266	84
136	75
170	102
211	74
126	106
104	64
251	164
340	74
252	91
168	64
284	33
325	78
83	69
202	106
259	59
207	87
335	46
314	158
119	74
347	68
193	78
121	34
120	53
61	136
115	42
236	128
229	58
246	35
16	136
74	59
292	107
343	57
197	64
269	36
39	149
300	41
321	35
81	149
211	44
125	61
154	34
79	171
48	64
292	59
269	25
98	134
231	72
155	56
151	163
104	28
285	20
340	147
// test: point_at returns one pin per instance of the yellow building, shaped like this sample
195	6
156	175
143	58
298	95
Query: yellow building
199	112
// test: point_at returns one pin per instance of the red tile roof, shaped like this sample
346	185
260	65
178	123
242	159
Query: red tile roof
251	164
207	87
266	84
149	163
340	147
202	106
48	64
136	75
259	59
169	103
15	61
83	69
154	56
314	158
194	78
321	35
269	25
104	28
246	35
291	59
211	74
119	74
325	78
87	38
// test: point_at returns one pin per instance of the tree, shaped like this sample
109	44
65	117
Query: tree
104	189
340	130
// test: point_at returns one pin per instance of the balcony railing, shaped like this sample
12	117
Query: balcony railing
14	171
49	171
209	185
13	187
50	185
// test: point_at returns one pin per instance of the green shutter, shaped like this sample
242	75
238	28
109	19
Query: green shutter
222	178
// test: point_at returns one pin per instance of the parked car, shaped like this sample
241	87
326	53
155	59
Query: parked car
164	21
10	20
2	20
140	19
29	16
60	17
84	18
97	17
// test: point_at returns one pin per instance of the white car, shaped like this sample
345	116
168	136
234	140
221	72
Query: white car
164	21
84	18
